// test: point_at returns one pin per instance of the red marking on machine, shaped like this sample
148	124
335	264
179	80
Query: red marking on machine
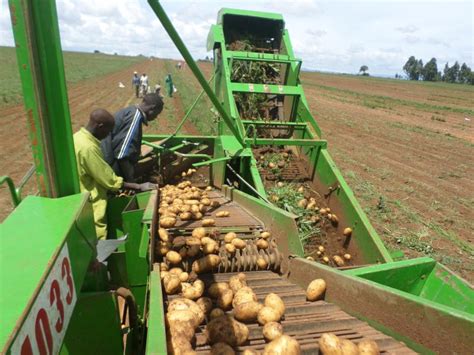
44	328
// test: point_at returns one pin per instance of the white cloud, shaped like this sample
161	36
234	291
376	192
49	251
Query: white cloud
326	35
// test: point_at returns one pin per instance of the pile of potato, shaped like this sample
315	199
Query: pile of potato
339	260
224	331
186	203
331	344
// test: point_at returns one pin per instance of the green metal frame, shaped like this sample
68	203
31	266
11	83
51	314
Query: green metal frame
40	60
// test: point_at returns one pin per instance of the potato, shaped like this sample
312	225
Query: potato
338	260
185	208
202	208
323	211
348	347
181	304
224	300
227	330
208	222
183	277
283	345
310	258
163	267
347	232
173	257
191	202
193	291
222	349
311	205
177	345
250	352
216	288
300	189
205	303
247	312
216	313
230	248
223	214
368	347
185	216
262	263
176	271
272	330
167	222
229	237
239	243
262	244
321	249
302	203
190	241
325	260
172	284
205	202
211	247
215	204
193	251
329	344
208	188
178	318
238	281
206	240
163	247
197	216
163	234
243	295
206	264
315	290
265	235
199	232
268	314
274	301
347	256
334	219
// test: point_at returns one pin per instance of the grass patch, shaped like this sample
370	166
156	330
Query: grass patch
77	66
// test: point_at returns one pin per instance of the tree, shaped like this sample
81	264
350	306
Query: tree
430	70
363	69
451	75
412	68
464	74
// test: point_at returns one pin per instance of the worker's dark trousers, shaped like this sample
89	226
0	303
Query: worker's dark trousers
136	90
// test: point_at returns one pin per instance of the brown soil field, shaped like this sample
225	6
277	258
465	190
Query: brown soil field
406	149
85	96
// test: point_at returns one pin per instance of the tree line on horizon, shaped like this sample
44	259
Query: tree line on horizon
415	70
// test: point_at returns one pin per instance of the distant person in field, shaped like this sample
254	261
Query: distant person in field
169	85
136	83
95	175
122	146
144	84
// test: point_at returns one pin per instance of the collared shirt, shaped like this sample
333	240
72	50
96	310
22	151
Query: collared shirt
95	176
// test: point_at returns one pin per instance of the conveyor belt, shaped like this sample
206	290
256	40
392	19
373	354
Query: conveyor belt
306	321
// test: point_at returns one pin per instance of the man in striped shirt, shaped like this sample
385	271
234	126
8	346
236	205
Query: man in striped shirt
122	146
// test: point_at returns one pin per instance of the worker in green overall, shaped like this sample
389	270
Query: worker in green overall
169	85
95	175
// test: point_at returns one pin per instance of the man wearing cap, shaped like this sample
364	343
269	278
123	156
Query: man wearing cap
122	146
136	82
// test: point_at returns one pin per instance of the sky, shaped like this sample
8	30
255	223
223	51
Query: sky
335	36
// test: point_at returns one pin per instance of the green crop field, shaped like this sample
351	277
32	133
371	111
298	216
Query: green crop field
78	66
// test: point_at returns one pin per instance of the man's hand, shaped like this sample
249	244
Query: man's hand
147	186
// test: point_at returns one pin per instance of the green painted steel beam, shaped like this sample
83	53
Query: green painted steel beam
211	161
40	62
156	340
265	89
165	21
281	141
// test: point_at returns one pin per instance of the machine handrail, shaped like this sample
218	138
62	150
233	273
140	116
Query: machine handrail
15	192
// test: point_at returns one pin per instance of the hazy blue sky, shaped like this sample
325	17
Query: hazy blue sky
337	36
